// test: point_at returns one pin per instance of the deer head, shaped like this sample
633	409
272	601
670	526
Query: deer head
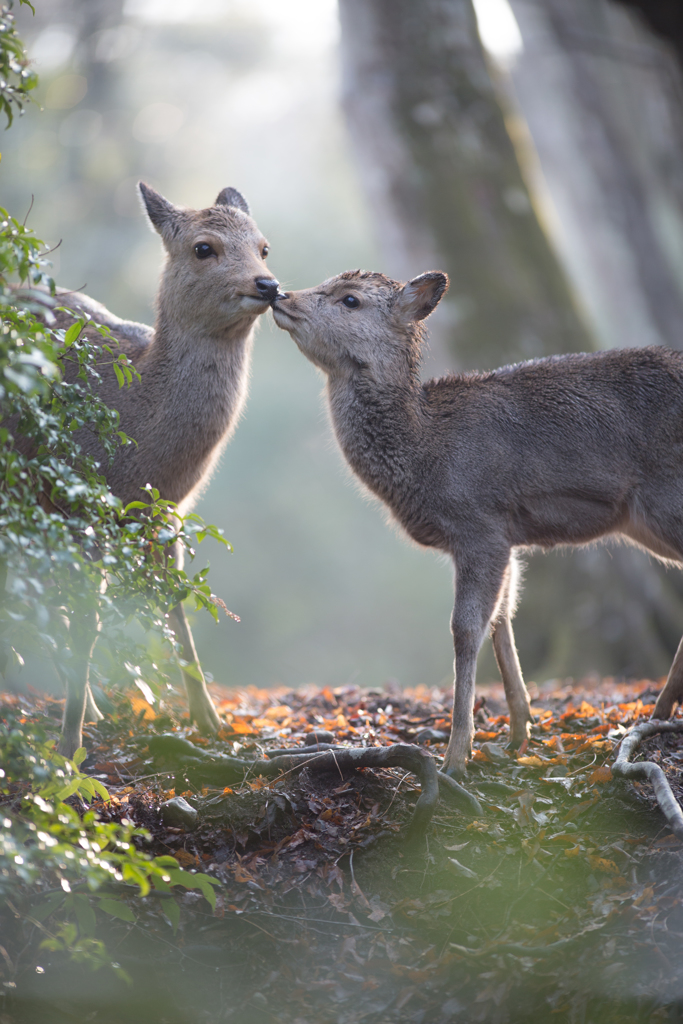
215	278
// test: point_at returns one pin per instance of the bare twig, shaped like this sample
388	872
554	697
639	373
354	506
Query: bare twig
624	767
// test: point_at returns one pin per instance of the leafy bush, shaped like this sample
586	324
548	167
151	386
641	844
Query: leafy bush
62	531
70	866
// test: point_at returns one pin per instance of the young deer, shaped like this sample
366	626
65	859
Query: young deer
564	450
194	366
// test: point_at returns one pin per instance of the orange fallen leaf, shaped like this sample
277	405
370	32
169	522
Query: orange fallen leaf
602	774
279	712
242	729
573	852
479	755
532	761
602	864
140	704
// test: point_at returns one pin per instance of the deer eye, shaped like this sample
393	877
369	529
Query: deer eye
202	250
351	302
264	251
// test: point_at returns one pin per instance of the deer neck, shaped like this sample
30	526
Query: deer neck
380	428
195	386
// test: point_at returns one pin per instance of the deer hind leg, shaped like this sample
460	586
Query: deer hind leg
202	710
673	690
478	588
508	661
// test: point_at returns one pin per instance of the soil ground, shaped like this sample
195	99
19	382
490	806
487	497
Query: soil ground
562	901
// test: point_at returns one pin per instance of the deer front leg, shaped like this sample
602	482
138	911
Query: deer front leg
477	593
673	690
202	711
508	661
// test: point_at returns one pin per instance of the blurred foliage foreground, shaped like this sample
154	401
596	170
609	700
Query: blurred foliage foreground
560	899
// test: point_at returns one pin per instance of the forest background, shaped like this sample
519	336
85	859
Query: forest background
542	170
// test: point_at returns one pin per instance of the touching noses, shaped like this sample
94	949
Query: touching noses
268	288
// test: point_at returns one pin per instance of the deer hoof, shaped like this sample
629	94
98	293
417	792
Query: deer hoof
663	708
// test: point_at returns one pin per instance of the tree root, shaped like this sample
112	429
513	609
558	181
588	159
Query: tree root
220	769
347	759
627	769
457	795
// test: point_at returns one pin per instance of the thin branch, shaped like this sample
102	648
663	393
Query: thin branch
28	212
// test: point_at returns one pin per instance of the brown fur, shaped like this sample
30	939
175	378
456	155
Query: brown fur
565	450
194	366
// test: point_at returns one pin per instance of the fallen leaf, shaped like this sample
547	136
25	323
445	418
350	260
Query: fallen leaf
186	859
532	761
602	864
140	705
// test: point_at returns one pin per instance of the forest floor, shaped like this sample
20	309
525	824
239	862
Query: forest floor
562	901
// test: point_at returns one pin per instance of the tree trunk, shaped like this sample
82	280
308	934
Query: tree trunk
444	184
601	97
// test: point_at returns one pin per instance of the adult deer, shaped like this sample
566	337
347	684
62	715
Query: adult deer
194	366
565	450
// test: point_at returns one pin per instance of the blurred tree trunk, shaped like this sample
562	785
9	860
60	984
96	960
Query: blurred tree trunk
602	98
444	183
440	147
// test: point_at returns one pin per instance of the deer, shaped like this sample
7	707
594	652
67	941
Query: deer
194	369
563	450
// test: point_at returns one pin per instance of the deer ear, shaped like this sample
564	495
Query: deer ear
422	295
231	197
162	214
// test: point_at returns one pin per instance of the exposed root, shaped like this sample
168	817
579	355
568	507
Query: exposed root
624	767
398	755
458	795
220	769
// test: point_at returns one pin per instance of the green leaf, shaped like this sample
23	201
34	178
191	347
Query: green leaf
86	788
171	911
116	908
101	789
206	885
72	334
43	910
80	756
69	789
119	373
165	861
85	915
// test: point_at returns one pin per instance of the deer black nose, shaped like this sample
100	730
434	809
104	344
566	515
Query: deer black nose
268	288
